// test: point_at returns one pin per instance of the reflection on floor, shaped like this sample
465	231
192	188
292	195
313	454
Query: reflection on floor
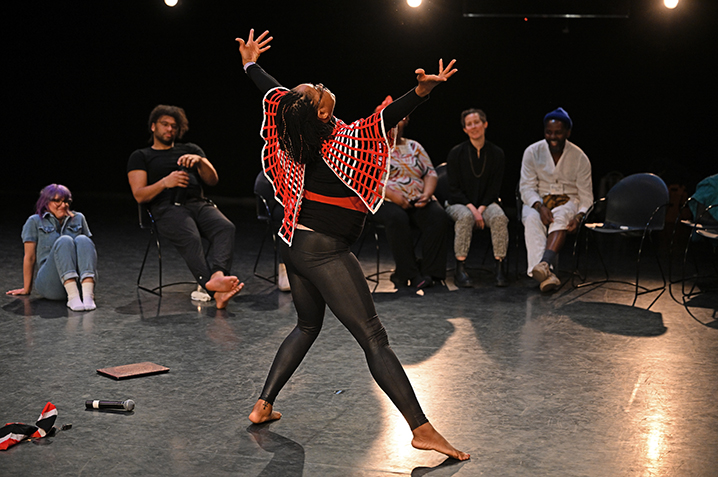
573	383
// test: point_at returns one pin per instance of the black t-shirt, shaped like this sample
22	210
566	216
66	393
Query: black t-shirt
332	220
159	163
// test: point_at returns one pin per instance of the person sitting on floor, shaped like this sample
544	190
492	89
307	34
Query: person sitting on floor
58	241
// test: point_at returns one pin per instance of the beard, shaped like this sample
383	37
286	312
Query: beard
167	142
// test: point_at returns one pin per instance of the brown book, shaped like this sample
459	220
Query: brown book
133	370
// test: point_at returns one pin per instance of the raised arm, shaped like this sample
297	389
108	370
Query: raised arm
429	82
403	106
252	49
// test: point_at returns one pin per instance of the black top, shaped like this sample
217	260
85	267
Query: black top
475	178
159	163
332	220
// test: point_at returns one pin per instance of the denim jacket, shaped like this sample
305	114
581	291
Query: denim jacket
46	229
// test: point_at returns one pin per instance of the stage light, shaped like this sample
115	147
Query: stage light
171	3
413	3
670	3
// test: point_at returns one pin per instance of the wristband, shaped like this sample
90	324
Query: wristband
247	65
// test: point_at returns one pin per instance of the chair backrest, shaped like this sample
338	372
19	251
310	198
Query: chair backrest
267	206
442	185
519	203
635	200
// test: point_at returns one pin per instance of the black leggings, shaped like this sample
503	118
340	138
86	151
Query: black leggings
323	271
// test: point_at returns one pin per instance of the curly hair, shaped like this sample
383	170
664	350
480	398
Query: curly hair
174	111
299	130
48	193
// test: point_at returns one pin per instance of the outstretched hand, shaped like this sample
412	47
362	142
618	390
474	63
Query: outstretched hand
429	82
251	49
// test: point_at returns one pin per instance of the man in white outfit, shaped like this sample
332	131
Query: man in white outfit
556	190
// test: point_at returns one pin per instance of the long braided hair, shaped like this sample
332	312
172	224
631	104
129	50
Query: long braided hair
299	130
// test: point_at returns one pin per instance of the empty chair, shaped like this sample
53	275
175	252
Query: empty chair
635	205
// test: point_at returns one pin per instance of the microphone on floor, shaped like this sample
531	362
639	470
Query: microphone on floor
127	405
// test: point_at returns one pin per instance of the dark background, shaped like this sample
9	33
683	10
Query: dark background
82	77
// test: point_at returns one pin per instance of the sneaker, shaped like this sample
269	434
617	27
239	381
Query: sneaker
551	283
200	294
541	272
283	279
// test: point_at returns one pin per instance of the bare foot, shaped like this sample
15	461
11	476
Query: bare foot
262	412
428	438
222	298
221	283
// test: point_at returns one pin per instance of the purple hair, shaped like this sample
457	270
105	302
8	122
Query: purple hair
49	193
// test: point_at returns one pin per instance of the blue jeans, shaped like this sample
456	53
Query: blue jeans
69	258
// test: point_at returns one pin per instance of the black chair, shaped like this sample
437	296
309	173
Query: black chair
147	222
634	206
442	185
271	213
704	277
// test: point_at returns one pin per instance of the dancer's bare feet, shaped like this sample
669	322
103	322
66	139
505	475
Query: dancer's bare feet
222	298
221	283
428	438
262	412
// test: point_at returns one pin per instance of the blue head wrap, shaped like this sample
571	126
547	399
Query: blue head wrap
559	114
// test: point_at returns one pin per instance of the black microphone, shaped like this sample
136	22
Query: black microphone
124	405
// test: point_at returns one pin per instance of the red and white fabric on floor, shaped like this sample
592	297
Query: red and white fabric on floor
14	432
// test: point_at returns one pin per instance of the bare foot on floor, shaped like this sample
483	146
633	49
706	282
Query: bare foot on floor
221	283
428	438
262	412
222	298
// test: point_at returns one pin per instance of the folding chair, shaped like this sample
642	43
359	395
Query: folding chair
635	205
147	222
270	212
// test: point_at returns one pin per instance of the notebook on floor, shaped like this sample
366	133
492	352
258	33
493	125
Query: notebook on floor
133	370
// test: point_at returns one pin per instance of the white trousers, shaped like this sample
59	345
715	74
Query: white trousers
535	232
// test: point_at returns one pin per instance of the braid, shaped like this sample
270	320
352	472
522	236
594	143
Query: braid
299	130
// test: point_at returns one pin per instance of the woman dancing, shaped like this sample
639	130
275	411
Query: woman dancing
328	174
58	241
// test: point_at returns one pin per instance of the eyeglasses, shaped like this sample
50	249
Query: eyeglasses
169	125
59	200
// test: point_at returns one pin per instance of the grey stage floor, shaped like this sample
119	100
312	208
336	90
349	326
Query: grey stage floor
575	383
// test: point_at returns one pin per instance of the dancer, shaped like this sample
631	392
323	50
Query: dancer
58	241
328	174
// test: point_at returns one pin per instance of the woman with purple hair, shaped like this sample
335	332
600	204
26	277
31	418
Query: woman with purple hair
57	240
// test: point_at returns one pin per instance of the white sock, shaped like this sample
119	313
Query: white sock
74	302
88	295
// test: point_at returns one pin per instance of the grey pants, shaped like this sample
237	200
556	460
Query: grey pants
464	224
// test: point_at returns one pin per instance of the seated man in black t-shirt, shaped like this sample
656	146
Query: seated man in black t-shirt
168	178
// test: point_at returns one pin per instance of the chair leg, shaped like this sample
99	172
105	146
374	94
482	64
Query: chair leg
270	233
638	272
154	291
